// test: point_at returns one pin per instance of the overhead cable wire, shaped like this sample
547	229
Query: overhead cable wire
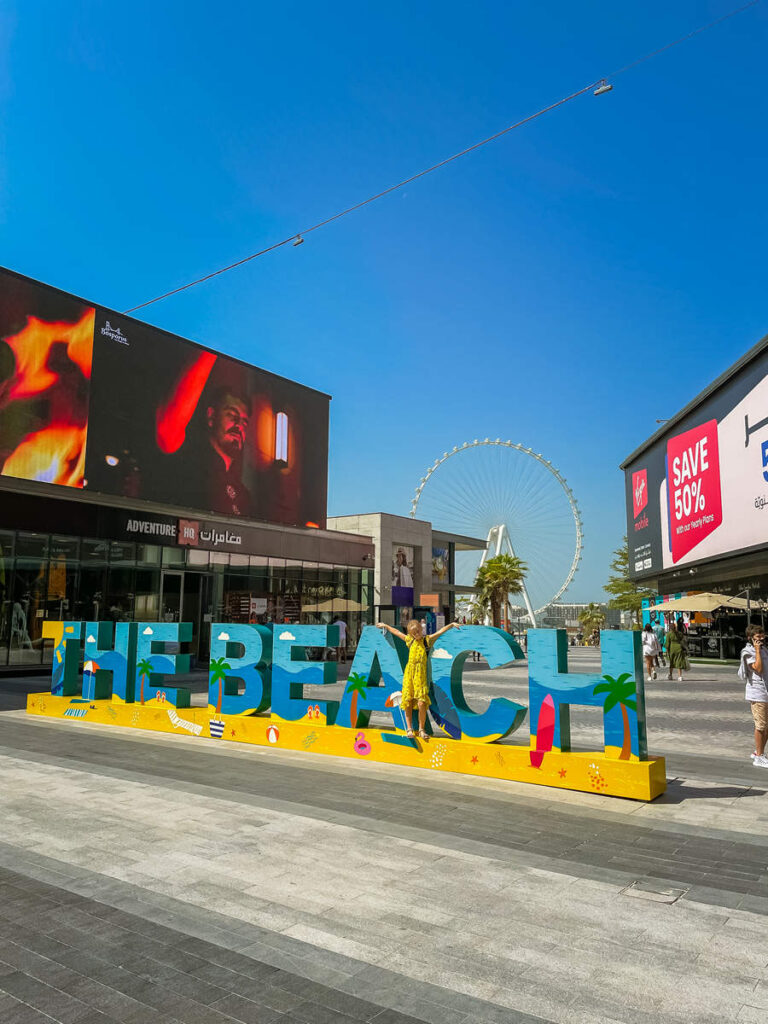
298	237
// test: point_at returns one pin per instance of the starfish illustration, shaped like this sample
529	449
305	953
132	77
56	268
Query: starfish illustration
474	760
562	773
232	732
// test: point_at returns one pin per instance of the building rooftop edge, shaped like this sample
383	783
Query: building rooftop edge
716	384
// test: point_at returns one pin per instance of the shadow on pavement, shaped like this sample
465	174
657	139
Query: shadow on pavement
678	792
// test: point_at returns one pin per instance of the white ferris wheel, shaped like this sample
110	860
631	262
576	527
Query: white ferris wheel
515	499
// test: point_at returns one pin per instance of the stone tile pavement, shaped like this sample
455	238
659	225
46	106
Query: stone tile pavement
159	879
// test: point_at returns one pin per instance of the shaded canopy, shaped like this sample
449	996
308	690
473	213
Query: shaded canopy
702	603
334	605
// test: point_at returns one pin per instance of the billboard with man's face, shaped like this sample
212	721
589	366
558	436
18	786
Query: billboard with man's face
701	490
93	399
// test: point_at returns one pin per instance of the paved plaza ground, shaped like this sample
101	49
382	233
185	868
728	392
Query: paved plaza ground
150	878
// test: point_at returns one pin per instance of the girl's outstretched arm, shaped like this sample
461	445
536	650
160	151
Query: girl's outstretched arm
451	625
391	629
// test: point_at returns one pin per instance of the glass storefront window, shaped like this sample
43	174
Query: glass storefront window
198	559
148	554
30	580
57	577
147	595
173	557
122	554
6	586
61	591
31	545
120	593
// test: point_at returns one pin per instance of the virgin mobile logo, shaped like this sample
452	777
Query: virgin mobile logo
639	491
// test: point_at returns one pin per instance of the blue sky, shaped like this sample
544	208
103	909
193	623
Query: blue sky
563	287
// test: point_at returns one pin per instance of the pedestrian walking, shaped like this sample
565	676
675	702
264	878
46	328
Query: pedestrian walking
660	633
650	650
677	650
475	654
753	670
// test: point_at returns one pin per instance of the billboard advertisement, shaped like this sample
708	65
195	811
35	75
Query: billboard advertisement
440	564
93	399
701	491
402	575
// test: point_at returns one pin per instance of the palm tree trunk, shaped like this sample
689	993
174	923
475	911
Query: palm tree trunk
353	710
141	694
626	747
218	702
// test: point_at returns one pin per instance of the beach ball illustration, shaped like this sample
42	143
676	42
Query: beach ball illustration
273	733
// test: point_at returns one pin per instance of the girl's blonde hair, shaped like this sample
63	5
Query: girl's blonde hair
412	622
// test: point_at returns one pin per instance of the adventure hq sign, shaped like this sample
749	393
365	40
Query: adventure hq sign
258	677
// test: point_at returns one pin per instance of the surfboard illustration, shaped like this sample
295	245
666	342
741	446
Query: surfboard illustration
545	731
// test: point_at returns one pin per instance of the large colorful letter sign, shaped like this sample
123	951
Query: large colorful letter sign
618	690
292	671
376	673
255	667
240	653
152	664
108	654
448	659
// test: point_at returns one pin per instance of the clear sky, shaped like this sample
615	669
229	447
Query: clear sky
564	287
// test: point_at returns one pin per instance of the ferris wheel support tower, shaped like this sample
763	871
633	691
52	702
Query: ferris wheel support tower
498	538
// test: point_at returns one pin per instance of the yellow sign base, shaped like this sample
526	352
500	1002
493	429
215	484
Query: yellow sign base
592	772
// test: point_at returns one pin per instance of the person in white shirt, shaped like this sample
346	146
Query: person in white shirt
342	649
650	650
754	671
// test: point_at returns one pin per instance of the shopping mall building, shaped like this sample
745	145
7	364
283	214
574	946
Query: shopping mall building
697	495
146	477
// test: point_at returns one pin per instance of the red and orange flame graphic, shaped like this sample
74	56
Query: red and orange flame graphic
56	453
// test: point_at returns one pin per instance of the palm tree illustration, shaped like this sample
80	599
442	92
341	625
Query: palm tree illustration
145	671
357	685
218	669
620	691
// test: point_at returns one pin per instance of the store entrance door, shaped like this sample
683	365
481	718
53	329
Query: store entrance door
197	608
171	590
188	597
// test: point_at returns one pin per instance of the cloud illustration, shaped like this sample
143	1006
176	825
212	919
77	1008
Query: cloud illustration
223	636
91	639
442	653
286	636
149	631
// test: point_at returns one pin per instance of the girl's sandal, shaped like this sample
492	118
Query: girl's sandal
423	735
410	734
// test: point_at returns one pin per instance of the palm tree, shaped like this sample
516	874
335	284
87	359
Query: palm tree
496	580
145	671
620	691
218	669
357	685
592	618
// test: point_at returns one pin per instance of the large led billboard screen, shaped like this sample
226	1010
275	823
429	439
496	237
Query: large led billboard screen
93	399
700	490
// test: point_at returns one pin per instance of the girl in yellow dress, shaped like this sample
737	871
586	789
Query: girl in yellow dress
415	681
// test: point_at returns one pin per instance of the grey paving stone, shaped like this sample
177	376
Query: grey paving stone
246	1010
314	1013
57	1004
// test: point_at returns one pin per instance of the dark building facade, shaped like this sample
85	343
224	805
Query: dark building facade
143	476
